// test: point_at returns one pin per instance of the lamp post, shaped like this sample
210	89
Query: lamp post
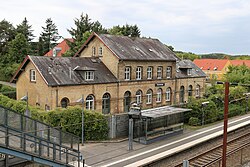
203	104
81	100
247	98
26	99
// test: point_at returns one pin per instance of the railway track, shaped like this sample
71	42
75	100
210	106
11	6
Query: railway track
215	154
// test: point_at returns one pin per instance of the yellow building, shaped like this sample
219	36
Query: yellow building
110	72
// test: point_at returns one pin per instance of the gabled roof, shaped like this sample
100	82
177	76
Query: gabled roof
60	71
133	48
211	64
183	65
63	45
240	62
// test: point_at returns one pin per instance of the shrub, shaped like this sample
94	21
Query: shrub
194	121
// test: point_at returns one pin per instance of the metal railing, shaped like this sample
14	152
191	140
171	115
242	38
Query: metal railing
34	138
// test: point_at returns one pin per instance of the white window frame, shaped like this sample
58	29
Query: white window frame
89	75
159	95
127	73
149	72
159	72
189	71
100	51
138	97
138	73
93	51
149	96
168	94
169	72
90	102
33	75
197	91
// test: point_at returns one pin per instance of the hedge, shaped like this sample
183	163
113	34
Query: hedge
70	119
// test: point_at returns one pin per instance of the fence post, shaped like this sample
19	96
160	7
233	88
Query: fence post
130	135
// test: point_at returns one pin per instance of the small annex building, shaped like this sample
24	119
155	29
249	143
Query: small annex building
110	71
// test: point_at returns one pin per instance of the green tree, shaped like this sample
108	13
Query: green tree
7	33
185	55
25	29
48	36
83	28
18	49
238	74
126	30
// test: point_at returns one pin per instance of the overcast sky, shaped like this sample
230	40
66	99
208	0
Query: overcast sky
198	26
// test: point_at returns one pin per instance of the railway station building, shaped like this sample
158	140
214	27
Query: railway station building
110	72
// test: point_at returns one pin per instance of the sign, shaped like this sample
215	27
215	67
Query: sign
159	84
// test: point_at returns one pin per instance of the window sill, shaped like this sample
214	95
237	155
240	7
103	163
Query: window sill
158	101
33	81
149	103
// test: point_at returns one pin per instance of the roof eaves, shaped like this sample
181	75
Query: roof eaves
85	44
39	71
20	69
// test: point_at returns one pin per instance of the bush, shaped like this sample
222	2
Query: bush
193	121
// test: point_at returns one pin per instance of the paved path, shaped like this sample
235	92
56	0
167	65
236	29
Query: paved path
8	84
117	154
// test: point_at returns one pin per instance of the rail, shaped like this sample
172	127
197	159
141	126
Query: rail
24	137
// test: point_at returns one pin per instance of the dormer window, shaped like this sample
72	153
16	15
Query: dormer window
189	71
32	75
100	51
89	75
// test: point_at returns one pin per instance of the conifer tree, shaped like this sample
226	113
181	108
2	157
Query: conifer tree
25	29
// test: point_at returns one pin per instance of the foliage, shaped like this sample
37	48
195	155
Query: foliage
193	121
48	36
215	56
25	29
185	55
126	30
96	124
238	74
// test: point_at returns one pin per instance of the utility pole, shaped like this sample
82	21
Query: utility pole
224	153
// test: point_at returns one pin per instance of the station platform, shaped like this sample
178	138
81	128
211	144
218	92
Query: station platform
116	154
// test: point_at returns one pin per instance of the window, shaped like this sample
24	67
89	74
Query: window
149	96
182	93
100	51
33	75
197	92
168	94
106	103
90	102
189	71
159	72
89	75
127	100
127	73
149	72
64	102
93	51
138	73
169	72
158	97
138	97
190	90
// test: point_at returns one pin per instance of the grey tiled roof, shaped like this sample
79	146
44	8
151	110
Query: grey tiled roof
60	71
183	65
134	48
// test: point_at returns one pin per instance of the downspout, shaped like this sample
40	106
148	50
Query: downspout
118	88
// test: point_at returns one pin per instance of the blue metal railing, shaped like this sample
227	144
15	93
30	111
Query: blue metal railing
35	141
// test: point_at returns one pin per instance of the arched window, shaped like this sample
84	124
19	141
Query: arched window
90	102
158	96
138	97
127	100
64	102
168	94
106	103
190	90
149	96
182	94
197	91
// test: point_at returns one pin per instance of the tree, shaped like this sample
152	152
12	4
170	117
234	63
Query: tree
185	55
84	27
49	35
19	48
126	30
238	74
25	29
7	33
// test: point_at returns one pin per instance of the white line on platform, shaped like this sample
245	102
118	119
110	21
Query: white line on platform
160	147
